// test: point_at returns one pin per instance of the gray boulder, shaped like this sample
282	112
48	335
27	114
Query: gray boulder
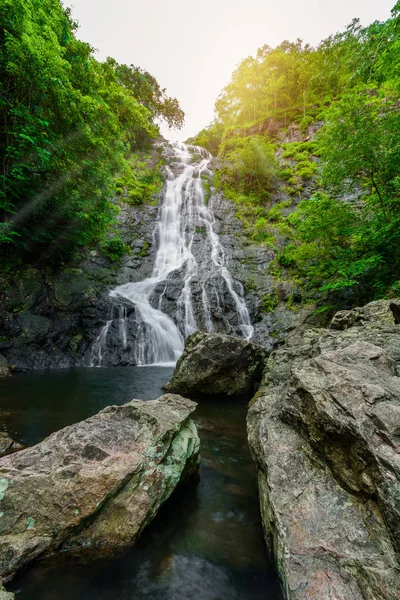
96	484
324	431
217	364
380	312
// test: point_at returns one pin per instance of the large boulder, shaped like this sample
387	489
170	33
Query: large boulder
217	364
95	484
324	430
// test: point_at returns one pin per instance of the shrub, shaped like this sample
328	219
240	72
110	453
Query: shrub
114	248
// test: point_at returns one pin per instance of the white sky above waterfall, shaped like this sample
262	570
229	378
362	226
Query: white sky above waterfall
193	47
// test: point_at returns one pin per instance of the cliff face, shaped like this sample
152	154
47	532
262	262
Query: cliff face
51	319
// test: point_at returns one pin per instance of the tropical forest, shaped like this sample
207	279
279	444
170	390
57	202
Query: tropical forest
199	321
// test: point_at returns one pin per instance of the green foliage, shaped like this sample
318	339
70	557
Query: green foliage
338	245
145	249
146	88
261	233
339	248
275	213
250	166
286	173
114	248
306	169
138	181
269	303
67	124
209	138
360	145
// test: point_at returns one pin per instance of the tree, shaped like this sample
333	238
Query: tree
67	124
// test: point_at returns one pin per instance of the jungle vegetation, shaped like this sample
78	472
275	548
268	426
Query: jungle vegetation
340	238
69	126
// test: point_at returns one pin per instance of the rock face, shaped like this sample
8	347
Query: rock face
324	429
380	312
217	364
8	445
95	484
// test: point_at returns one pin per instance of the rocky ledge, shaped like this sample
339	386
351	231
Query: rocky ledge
217	364
324	430
95	484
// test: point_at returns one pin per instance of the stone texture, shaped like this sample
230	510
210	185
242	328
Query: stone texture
53	319
324	431
217	364
95	484
8	445
380	312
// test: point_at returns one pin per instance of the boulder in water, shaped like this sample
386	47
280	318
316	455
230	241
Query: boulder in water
95	484
324	432
214	363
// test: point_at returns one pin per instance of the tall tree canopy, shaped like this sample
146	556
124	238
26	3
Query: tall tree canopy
350	84
67	124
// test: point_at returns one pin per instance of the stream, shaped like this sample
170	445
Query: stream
206	542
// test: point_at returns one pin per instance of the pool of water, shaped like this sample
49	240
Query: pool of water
206	542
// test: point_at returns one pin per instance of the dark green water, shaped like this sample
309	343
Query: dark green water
206	543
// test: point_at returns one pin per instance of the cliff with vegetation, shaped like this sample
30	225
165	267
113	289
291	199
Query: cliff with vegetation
308	144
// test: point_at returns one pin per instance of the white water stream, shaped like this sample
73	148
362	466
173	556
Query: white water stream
159	339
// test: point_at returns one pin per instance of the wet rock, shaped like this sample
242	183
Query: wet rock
52	319
8	445
217	364
324	432
96	484
4	368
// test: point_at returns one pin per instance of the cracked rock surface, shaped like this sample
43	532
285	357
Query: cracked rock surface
324	430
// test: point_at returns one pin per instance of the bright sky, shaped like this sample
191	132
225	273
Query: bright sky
193	47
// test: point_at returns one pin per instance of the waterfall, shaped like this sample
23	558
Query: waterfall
190	257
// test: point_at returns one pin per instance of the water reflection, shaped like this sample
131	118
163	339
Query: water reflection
206	542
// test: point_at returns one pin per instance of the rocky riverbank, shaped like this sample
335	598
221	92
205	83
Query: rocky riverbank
96	484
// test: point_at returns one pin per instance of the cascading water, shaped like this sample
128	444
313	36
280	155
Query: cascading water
189	268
